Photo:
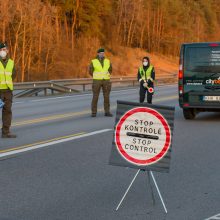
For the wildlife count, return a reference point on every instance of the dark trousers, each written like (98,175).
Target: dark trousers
(142,94)
(97,85)
(6,96)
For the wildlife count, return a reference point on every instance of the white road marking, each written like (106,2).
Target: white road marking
(215,217)
(13,152)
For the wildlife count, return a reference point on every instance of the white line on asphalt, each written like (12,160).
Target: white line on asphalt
(76,96)
(13,152)
(215,217)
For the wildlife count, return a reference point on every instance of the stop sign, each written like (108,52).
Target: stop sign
(142,136)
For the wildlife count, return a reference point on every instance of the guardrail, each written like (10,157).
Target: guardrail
(62,86)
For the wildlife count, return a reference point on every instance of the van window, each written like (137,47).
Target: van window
(202,59)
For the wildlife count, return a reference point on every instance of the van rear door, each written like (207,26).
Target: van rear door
(201,80)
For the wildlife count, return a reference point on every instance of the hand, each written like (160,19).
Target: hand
(145,85)
(1,103)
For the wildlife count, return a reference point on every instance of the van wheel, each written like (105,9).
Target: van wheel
(189,113)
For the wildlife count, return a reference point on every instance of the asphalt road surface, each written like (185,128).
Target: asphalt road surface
(57,168)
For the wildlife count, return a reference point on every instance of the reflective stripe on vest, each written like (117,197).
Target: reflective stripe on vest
(146,75)
(6,75)
(100,72)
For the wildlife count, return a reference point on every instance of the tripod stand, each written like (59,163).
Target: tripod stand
(150,174)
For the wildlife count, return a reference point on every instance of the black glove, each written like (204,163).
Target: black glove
(150,83)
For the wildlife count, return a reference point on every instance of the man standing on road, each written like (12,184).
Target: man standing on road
(100,69)
(146,77)
(7,75)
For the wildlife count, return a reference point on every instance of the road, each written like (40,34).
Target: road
(57,168)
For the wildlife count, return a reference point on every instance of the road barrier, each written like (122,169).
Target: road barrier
(63,86)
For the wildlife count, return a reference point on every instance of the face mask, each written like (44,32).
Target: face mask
(3,54)
(145,63)
(101,55)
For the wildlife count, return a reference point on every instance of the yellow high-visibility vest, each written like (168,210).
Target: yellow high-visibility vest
(100,72)
(6,75)
(146,75)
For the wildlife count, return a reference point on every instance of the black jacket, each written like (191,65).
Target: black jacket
(150,83)
(145,68)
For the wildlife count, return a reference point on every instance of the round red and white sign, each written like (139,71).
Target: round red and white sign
(142,136)
(150,90)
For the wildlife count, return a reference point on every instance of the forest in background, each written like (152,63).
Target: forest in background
(55,39)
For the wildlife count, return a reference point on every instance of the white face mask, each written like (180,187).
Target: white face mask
(145,63)
(3,54)
(101,55)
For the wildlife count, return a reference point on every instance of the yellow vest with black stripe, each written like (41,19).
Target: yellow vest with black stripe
(146,75)
(101,72)
(6,75)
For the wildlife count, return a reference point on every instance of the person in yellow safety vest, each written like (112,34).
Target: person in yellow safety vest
(7,75)
(146,77)
(100,69)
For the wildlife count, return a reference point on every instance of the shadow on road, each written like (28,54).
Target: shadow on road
(208,116)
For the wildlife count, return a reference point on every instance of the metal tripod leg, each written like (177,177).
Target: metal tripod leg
(151,188)
(127,190)
(158,191)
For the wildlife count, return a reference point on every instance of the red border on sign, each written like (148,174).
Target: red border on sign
(159,155)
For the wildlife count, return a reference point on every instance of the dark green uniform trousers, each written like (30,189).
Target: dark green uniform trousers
(6,97)
(106,88)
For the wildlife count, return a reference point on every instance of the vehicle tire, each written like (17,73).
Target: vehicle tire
(189,113)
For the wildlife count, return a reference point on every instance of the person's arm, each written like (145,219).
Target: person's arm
(152,78)
(14,73)
(139,78)
(110,69)
(153,74)
(91,69)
